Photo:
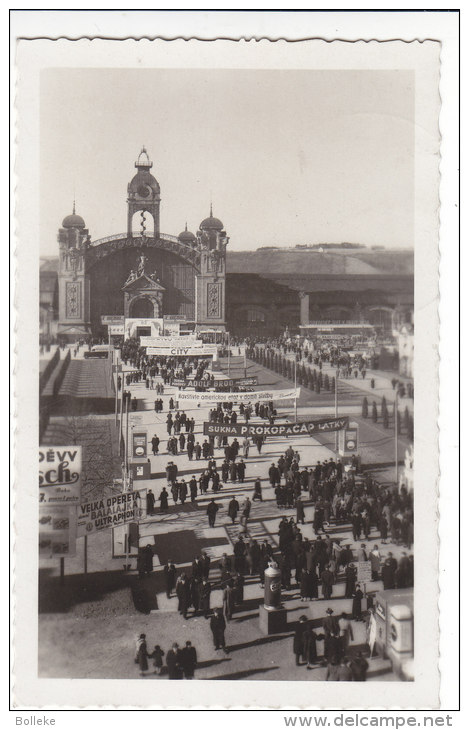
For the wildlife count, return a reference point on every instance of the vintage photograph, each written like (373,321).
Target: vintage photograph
(227,399)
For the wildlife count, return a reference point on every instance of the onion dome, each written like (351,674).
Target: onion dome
(186,236)
(211,223)
(73,220)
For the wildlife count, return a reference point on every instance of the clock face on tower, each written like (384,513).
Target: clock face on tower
(144,191)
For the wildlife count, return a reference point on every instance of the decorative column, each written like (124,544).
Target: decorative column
(304,308)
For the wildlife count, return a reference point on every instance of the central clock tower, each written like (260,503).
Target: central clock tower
(143,194)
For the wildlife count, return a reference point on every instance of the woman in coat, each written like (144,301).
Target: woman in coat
(350,580)
(357,604)
(142,654)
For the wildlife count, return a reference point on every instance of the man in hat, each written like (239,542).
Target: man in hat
(298,643)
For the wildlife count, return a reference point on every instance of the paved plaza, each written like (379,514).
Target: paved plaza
(88,603)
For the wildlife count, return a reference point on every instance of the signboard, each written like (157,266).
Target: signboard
(60,475)
(116,329)
(171,341)
(100,514)
(280,429)
(132,324)
(113,319)
(139,444)
(183,351)
(171,328)
(364,572)
(232,383)
(174,318)
(57,531)
(251,397)
(348,443)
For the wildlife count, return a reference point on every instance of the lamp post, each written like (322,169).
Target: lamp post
(296,400)
(336,408)
(396,456)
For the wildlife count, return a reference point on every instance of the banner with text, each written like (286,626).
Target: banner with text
(251,397)
(171,341)
(187,351)
(279,429)
(232,383)
(60,475)
(100,514)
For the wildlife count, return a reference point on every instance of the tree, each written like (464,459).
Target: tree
(318,385)
(385,418)
(326,382)
(374,413)
(383,406)
(332,388)
(315,376)
(320,378)
(365,408)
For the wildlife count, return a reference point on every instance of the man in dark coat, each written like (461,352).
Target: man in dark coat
(241,470)
(188,660)
(183,594)
(206,563)
(239,551)
(193,488)
(169,571)
(163,500)
(327,578)
(300,511)
(155,442)
(205,591)
(212,510)
(217,627)
(298,644)
(233,509)
(173,662)
(150,502)
(274,475)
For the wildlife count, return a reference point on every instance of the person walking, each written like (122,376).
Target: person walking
(150,502)
(233,509)
(163,498)
(245,515)
(345,632)
(205,591)
(300,511)
(169,571)
(155,443)
(212,510)
(157,656)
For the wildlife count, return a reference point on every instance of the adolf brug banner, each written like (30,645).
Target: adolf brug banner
(323,425)
(250,397)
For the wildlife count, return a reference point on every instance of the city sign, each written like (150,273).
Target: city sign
(183,351)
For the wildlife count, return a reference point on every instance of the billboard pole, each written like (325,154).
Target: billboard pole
(396,456)
(336,408)
(296,400)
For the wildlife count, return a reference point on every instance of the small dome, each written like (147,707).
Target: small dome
(186,236)
(143,159)
(73,221)
(211,223)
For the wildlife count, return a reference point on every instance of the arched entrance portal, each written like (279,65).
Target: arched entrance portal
(143,308)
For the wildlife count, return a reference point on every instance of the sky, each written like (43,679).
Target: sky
(286,157)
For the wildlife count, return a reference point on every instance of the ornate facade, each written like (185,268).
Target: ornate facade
(169,275)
